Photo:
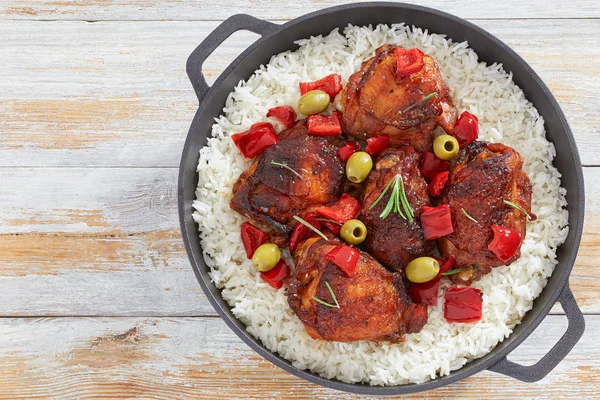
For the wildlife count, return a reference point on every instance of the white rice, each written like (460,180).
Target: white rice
(508,292)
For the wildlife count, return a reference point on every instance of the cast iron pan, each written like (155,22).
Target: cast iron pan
(278,38)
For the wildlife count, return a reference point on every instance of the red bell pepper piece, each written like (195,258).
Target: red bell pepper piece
(331,84)
(463,304)
(466,129)
(431,165)
(436,221)
(284,114)
(302,232)
(255,140)
(333,227)
(408,61)
(345,257)
(277,275)
(506,242)
(438,183)
(377,143)
(426,292)
(252,238)
(347,150)
(325,125)
(347,207)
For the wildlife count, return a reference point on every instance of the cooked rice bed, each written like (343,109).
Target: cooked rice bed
(508,292)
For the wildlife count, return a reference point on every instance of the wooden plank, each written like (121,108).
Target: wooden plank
(173,358)
(109,244)
(106,201)
(205,10)
(142,274)
(116,93)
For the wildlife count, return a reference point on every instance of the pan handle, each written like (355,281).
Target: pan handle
(556,354)
(231,25)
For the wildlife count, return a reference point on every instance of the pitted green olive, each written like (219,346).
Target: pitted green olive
(422,269)
(313,102)
(445,147)
(266,257)
(358,166)
(353,231)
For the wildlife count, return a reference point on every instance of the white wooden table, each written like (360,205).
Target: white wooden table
(97,298)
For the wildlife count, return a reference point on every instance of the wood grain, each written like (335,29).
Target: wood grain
(94,10)
(174,358)
(109,244)
(107,201)
(116,93)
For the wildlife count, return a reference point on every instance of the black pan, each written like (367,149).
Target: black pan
(278,38)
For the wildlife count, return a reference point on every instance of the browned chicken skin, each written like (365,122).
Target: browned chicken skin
(271,195)
(393,240)
(485,174)
(373,302)
(376,103)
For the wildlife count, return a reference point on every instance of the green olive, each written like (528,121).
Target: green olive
(313,102)
(422,269)
(358,166)
(266,257)
(445,147)
(353,231)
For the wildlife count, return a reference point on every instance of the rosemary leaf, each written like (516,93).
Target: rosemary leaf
(282,165)
(423,100)
(518,207)
(453,271)
(468,216)
(332,294)
(337,305)
(399,198)
(405,204)
(310,226)
(323,302)
(329,220)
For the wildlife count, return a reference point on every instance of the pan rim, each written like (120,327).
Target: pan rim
(471,367)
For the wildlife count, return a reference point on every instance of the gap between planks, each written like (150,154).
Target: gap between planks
(285,20)
(17,316)
(53,316)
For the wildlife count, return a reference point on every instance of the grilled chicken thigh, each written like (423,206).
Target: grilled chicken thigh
(375,102)
(484,175)
(395,241)
(373,303)
(271,194)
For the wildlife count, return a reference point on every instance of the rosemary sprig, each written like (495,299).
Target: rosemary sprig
(453,271)
(337,305)
(468,216)
(423,100)
(310,226)
(393,204)
(282,165)
(397,197)
(329,220)
(518,207)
